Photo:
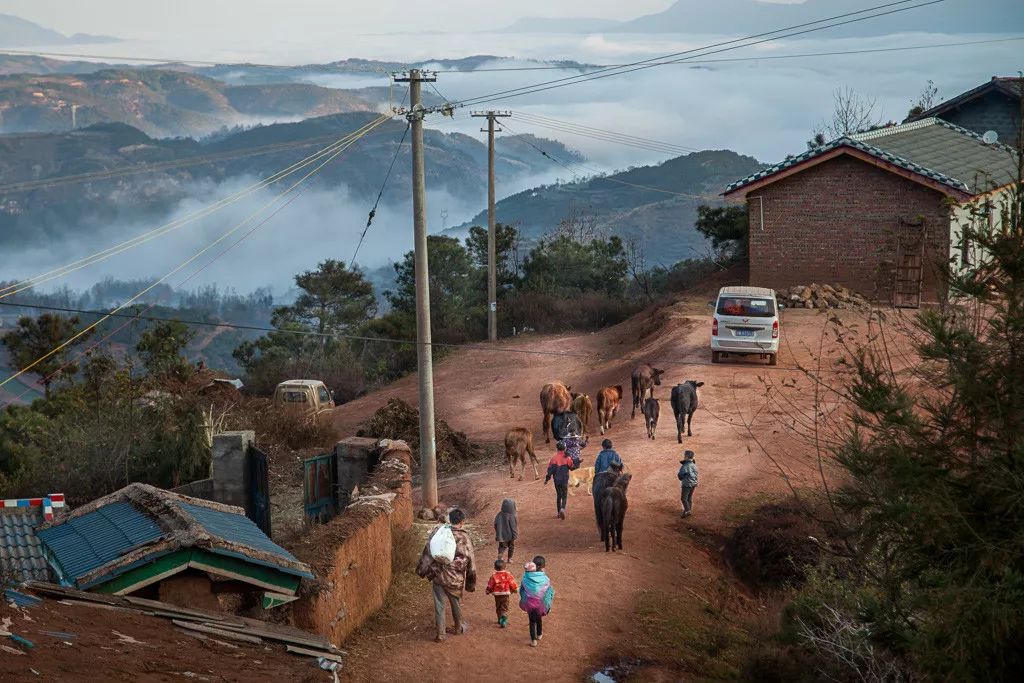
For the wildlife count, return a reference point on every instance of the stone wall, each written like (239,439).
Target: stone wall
(838,222)
(351,554)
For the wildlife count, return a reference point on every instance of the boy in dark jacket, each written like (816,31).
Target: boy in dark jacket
(501,585)
(558,469)
(506,528)
(688,481)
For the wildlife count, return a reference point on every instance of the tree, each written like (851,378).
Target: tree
(565,266)
(35,338)
(334,299)
(506,239)
(725,226)
(851,113)
(161,348)
(926,100)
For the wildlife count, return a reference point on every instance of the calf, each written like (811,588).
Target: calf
(608,400)
(645,377)
(684,403)
(519,444)
(584,408)
(613,512)
(651,410)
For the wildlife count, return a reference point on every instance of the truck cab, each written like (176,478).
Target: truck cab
(307,394)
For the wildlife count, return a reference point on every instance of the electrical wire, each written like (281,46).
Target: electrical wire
(181,266)
(373,211)
(585,128)
(832,53)
(176,224)
(724,46)
(665,148)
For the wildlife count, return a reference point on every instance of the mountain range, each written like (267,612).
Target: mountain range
(656,205)
(18,32)
(456,163)
(733,17)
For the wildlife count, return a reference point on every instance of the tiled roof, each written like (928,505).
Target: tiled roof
(21,554)
(932,148)
(1007,85)
(140,523)
(87,542)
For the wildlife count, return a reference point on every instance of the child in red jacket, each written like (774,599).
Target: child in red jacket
(501,585)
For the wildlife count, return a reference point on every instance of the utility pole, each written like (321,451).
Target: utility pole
(492,258)
(428,455)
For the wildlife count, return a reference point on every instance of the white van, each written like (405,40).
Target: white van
(745,322)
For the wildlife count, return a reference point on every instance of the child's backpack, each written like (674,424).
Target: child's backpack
(442,545)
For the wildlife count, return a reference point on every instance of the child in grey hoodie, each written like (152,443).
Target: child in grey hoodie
(506,528)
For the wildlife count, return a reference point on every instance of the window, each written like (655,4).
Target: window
(294,396)
(325,396)
(746,307)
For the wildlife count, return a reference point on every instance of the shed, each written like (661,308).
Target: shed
(22,556)
(140,537)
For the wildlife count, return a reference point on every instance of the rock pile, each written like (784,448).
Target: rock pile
(824,297)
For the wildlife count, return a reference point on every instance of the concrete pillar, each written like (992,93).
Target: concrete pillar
(230,473)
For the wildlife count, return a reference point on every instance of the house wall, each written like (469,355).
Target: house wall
(993,111)
(987,210)
(838,223)
(351,554)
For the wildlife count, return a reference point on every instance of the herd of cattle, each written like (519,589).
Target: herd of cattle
(558,401)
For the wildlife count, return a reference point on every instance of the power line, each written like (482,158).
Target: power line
(373,211)
(616,138)
(832,53)
(724,46)
(626,136)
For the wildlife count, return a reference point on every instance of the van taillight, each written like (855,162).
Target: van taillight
(775,330)
(714,327)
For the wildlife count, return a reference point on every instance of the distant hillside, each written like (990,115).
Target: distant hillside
(164,103)
(734,17)
(662,222)
(18,32)
(456,163)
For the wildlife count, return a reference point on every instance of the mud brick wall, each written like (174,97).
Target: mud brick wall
(837,223)
(351,554)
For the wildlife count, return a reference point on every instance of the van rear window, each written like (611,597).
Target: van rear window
(294,396)
(746,307)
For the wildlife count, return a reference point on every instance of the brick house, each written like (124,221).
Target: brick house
(878,212)
(994,106)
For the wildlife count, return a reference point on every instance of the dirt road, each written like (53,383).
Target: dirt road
(485,393)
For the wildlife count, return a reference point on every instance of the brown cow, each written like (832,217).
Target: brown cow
(584,409)
(645,378)
(554,398)
(519,443)
(608,400)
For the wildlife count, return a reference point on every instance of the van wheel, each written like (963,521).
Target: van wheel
(716,357)
(773,359)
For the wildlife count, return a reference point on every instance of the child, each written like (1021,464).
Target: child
(506,528)
(688,481)
(501,585)
(535,596)
(558,469)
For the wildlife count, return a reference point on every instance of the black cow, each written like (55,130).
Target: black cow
(652,411)
(684,403)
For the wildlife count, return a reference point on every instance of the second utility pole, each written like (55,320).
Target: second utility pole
(492,258)
(424,350)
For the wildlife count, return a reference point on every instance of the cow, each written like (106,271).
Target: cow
(684,403)
(613,512)
(554,398)
(645,378)
(652,410)
(608,400)
(519,443)
(584,408)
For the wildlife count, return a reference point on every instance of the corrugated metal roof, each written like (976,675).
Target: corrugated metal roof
(931,148)
(236,529)
(87,542)
(21,553)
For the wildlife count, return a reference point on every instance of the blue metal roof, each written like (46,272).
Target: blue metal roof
(21,554)
(235,528)
(89,541)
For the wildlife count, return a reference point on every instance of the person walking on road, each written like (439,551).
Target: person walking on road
(601,482)
(688,481)
(506,528)
(501,585)
(558,469)
(535,597)
(449,578)
(606,458)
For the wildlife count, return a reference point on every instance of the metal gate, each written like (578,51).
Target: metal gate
(319,487)
(258,509)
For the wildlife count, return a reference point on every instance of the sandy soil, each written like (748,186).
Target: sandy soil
(486,393)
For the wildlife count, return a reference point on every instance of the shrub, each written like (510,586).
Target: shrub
(773,548)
